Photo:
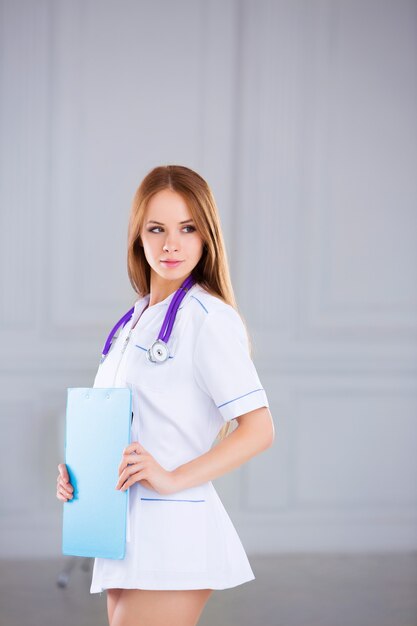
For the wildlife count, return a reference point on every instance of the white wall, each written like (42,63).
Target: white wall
(301,116)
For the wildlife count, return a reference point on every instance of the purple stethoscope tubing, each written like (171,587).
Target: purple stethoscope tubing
(123,320)
(169,319)
(167,324)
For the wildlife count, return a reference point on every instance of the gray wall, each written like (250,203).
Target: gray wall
(301,115)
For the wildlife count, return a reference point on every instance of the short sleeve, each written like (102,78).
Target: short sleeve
(223,367)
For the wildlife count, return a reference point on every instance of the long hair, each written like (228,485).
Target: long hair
(212,270)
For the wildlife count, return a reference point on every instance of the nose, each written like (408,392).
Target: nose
(171,243)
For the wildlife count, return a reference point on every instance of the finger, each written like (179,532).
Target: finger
(127,460)
(62,468)
(134,447)
(132,469)
(133,479)
(67,488)
(63,472)
(131,447)
(128,472)
(63,495)
(62,483)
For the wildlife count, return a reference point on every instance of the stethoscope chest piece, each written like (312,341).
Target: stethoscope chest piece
(158,352)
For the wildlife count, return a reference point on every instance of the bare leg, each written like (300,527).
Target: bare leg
(142,607)
(112,599)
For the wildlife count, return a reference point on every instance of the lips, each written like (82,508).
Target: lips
(171,262)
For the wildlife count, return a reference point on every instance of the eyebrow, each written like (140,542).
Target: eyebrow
(161,224)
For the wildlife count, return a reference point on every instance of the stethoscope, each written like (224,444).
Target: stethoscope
(158,352)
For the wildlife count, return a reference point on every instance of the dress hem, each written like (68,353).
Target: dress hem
(114,584)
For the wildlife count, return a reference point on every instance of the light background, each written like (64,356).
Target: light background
(301,115)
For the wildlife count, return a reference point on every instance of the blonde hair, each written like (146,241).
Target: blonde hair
(212,270)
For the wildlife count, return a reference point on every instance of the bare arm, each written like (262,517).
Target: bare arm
(254,434)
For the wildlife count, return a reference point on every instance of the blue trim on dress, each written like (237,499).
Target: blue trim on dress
(199,302)
(238,398)
(172,500)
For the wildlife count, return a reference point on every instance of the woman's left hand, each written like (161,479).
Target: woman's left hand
(143,468)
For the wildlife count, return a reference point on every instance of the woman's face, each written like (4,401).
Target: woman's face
(169,233)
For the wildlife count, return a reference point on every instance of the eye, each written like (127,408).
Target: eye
(151,230)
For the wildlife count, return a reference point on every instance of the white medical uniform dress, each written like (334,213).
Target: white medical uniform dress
(186,539)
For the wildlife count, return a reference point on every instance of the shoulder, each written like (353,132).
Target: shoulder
(212,311)
(210,304)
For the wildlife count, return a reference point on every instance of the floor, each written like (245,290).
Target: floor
(289,590)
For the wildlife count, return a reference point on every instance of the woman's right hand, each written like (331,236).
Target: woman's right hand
(64,489)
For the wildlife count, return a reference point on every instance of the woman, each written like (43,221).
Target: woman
(181,543)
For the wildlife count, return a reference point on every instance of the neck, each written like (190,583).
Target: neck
(160,291)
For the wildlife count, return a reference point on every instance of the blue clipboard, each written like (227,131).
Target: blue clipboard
(98,422)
